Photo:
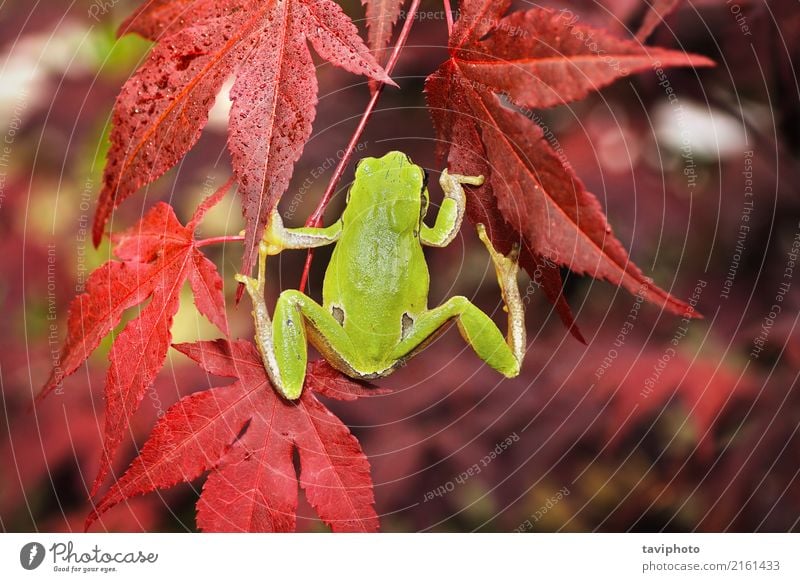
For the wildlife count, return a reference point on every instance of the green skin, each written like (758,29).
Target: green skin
(375,315)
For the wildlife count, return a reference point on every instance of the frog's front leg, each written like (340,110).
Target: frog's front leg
(277,237)
(503,354)
(451,214)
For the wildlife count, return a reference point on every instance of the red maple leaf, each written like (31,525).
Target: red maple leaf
(381,18)
(499,68)
(382,15)
(246,434)
(162,109)
(158,256)
(658,12)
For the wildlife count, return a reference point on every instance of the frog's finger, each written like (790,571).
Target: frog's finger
(469,180)
(279,238)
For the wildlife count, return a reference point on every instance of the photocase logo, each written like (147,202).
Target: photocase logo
(31,555)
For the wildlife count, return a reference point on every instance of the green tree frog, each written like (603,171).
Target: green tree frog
(374,314)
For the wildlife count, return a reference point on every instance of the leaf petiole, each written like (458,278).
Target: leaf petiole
(448,12)
(218,240)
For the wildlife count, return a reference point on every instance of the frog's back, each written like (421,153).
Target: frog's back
(377,280)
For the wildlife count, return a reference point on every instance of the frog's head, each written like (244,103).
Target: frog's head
(394,184)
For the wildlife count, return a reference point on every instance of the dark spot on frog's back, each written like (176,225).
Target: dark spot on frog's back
(338,314)
(408,325)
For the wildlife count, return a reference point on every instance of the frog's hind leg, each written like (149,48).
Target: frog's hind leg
(282,341)
(503,354)
(296,316)
(476,328)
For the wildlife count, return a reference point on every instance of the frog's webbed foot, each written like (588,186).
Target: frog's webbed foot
(506,266)
(255,287)
(271,244)
(263,322)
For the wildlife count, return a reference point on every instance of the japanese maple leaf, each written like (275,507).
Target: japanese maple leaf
(381,18)
(537,58)
(246,434)
(157,256)
(659,10)
(162,109)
